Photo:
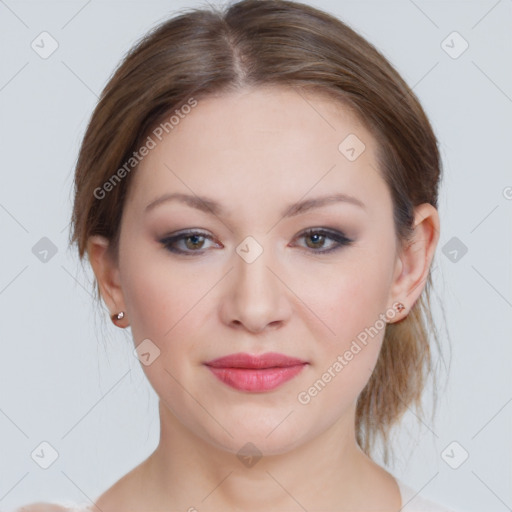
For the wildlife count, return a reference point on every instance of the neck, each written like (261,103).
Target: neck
(185,472)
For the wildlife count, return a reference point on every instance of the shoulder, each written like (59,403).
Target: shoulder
(413,501)
(46,507)
(421,504)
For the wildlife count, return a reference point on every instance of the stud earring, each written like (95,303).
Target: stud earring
(116,317)
(399,307)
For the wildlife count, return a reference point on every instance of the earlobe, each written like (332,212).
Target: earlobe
(416,257)
(107,273)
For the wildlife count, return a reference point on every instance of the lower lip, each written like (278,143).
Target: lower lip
(256,380)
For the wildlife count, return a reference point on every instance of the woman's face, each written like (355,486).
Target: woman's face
(255,171)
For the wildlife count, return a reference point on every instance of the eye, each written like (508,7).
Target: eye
(187,242)
(195,242)
(316,240)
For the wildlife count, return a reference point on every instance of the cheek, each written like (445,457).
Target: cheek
(163,307)
(149,290)
(149,298)
(348,297)
(165,301)
(352,302)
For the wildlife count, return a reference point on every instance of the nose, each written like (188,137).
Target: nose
(255,299)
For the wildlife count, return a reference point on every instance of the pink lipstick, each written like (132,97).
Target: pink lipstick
(255,373)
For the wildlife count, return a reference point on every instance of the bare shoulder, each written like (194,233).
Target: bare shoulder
(42,507)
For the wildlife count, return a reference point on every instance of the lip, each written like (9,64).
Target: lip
(255,373)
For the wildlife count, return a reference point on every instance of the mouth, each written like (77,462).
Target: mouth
(255,373)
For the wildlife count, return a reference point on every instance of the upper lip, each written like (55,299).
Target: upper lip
(244,360)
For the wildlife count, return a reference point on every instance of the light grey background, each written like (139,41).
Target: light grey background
(72,381)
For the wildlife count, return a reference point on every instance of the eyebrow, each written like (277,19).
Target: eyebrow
(210,206)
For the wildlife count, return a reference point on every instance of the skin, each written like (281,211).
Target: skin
(255,152)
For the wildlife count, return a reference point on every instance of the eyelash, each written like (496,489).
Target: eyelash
(339,238)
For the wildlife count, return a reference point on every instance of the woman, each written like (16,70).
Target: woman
(257,195)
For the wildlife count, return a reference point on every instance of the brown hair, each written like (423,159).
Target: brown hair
(274,42)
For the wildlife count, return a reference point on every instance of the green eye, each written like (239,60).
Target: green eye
(194,241)
(188,243)
(316,239)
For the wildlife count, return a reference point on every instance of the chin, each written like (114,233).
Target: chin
(257,445)
(273,435)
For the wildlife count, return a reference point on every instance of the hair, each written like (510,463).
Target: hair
(255,43)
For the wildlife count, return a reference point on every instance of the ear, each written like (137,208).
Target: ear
(107,274)
(413,263)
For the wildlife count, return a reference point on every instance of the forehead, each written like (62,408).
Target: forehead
(263,141)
